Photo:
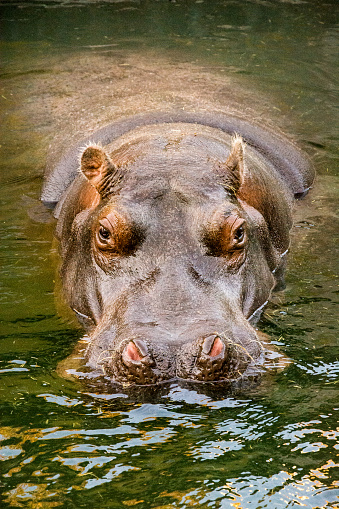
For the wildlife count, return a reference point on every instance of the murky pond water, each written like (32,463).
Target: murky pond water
(70,66)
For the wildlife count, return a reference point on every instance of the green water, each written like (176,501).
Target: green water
(72,66)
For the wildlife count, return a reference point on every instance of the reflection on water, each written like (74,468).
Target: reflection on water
(69,67)
(178,452)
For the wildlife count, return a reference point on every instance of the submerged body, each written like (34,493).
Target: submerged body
(172,238)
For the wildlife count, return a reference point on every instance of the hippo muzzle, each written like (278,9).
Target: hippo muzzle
(213,357)
(177,326)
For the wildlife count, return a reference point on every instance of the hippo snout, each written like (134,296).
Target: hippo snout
(141,361)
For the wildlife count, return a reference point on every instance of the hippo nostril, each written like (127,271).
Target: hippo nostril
(132,352)
(135,351)
(217,347)
(213,346)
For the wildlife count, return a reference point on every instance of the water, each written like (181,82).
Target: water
(70,66)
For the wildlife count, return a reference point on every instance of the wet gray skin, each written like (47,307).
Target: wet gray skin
(172,238)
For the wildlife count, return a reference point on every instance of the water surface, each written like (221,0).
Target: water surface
(70,66)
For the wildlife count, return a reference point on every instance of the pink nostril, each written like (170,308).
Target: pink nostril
(135,351)
(213,346)
(217,347)
(132,352)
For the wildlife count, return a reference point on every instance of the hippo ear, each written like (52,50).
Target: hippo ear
(233,168)
(99,170)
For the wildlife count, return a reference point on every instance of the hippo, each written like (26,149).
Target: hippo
(173,231)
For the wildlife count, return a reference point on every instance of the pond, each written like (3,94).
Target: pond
(70,66)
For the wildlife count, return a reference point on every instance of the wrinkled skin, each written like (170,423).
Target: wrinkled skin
(172,239)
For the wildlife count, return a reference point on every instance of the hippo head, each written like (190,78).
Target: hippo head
(170,242)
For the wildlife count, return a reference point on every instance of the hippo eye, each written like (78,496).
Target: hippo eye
(227,238)
(239,234)
(115,235)
(104,234)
